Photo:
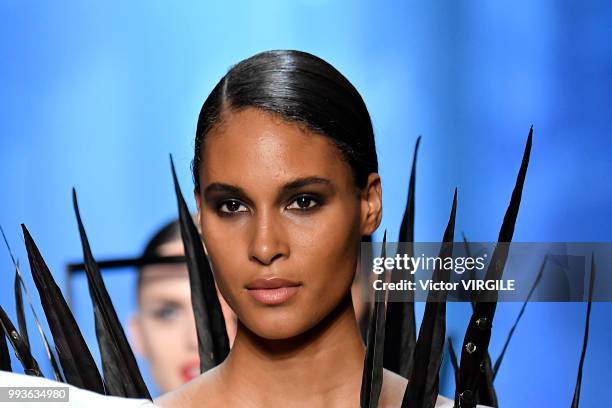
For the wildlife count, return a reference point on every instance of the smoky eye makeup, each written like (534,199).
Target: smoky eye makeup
(305,202)
(301,196)
(226,201)
(230,207)
(298,203)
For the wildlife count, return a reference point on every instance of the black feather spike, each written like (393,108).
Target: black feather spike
(77,363)
(57,372)
(453,360)
(364,319)
(585,341)
(21,348)
(121,373)
(21,320)
(372,379)
(486,394)
(400,328)
(422,389)
(5,357)
(213,342)
(478,332)
(518,319)
(468,253)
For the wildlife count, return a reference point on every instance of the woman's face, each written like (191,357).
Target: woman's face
(282,219)
(163,329)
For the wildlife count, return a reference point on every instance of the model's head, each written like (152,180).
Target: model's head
(163,327)
(286,181)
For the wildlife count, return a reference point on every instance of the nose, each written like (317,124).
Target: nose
(268,241)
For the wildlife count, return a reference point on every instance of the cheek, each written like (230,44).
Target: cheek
(160,341)
(229,280)
(227,247)
(326,252)
(328,243)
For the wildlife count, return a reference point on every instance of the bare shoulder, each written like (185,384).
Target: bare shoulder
(393,389)
(202,391)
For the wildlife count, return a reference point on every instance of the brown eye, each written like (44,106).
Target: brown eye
(303,203)
(232,206)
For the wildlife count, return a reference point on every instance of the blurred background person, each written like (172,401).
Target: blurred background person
(162,329)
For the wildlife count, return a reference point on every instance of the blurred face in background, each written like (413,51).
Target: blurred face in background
(163,328)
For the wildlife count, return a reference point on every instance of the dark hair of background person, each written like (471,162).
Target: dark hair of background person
(299,87)
(170,232)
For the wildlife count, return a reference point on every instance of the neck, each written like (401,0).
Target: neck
(325,363)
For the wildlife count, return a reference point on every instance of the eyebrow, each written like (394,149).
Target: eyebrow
(289,186)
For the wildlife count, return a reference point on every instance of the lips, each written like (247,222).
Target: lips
(190,370)
(273,291)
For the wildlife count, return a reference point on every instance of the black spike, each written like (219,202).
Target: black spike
(454,363)
(57,372)
(77,363)
(478,332)
(468,253)
(21,348)
(486,394)
(121,373)
(585,341)
(5,357)
(372,379)
(422,388)
(400,328)
(213,342)
(21,320)
(518,318)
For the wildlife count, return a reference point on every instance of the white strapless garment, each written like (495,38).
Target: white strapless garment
(78,398)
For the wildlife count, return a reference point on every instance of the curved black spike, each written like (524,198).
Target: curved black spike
(21,348)
(121,373)
(21,320)
(372,378)
(77,363)
(5,357)
(454,363)
(486,394)
(478,332)
(57,372)
(422,388)
(468,253)
(213,342)
(400,328)
(585,341)
(518,319)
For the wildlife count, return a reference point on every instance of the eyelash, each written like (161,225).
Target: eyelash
(317,203)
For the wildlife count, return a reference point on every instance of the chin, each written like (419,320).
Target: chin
(277,325)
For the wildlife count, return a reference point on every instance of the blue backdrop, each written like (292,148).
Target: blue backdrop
(97,94)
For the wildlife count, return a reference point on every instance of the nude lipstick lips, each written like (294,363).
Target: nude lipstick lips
(272,291)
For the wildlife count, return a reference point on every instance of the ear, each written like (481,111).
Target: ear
(371,204)
(198,199)
(135,334)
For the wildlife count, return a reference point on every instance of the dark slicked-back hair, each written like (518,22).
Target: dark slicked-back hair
(301,88)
